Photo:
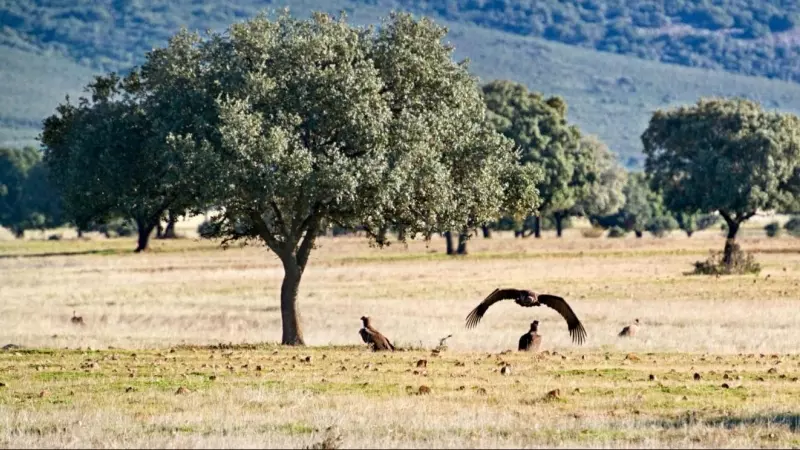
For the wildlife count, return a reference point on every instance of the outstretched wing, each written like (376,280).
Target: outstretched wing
(574,325)
(498,294)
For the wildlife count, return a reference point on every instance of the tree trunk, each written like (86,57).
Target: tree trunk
(80,233)
(487,232)
(290,318)
(169,232)
(689,233)
(159,230)
(537,226)
(638,233)
(143,229)
(19,232)
(733,229)
(448,236)
(559,224)
(462,244)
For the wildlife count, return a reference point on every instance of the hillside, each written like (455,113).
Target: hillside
(49,51)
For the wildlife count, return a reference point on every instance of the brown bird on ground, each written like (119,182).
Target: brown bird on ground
(528,298)
(373,337)
(77,320)
(631,329)
(531,340)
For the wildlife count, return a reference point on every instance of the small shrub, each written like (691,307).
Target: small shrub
(207,229)
(741,263)
(793,226)
(616,232)
(661,226)
(772,229)
(593,233)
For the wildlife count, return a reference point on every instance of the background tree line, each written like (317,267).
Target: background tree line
(288,127)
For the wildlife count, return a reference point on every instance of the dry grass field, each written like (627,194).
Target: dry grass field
(177,347)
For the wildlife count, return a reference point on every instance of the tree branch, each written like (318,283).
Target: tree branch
(307,244)
(279,217)
(265,233)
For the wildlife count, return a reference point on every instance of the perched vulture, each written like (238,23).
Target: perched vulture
(373,337)
(531,340)
(631,329)
(528,298)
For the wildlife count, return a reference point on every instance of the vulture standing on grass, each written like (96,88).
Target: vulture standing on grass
(373,337)
(530,341)
(528,298)
(630,330)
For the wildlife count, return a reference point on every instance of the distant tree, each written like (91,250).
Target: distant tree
(538,126)
(642,211)
(725,155)
(107,156)
(603,194)
(27,200)
(311,123)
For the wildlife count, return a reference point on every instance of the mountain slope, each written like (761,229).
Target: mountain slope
(608,95)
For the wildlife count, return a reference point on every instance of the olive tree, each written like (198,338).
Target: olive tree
(311,123)
(725,155)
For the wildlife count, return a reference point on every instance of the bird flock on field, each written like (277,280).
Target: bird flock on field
(530,341)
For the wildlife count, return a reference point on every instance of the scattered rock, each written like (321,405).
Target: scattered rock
(631,357)
(423,390)
(212,377)
(308,359)
(697,376)
(259,368)
(460,364)
(422,363)
(726,386)
(44,393)
(461,388)
(726,377)
(760,378)
(480,391)
(652,377)
(2,384)
(130,389)
(506,370)
(577,391)
(182,390)
(772,370)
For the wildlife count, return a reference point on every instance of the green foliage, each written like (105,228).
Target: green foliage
(661,225)
(735,262)
(108,155)
(342,125)
(792,226)
(643,210)
(734,35)
(27,198)
(726,155)
(773,229)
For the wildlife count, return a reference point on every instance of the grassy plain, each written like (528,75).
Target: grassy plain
(165,314)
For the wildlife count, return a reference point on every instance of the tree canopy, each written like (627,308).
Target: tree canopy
(107,156)
(315,122)
(573,169)
(726,155)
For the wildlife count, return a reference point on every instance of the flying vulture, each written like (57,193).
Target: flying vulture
(528,298)
(631,329)
(373,337)
(531,340)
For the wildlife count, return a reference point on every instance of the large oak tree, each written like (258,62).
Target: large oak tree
(725,155)
(315,122)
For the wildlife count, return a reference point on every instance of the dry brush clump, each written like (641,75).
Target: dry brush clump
(741,263)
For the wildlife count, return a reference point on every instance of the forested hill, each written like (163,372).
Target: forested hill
(49,49)
(754,37)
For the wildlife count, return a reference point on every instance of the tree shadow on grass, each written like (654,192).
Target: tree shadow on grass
(107,251)
(790,420)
